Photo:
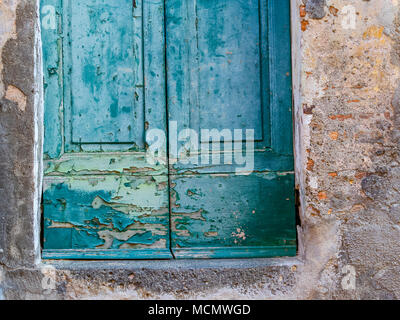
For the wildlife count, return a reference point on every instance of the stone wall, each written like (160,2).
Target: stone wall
(349,97)
(346,66)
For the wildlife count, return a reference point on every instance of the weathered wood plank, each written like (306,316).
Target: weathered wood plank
(102,199)
(229,68)
(51,18)
(235,252)
(105,73)
(106,212)
(102,164)
(218,67)
(226,210)
(119,254)
(280,66)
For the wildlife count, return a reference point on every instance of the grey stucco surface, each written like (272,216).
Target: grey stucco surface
(347,97)
(315,8)
(17,133)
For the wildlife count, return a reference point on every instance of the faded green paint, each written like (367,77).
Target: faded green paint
(103,90)
(228,68)
(52,56)
(106,73)
(106,212)
(102,163)
(213,212)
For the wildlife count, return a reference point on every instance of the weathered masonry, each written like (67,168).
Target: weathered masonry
(82,209)
(113,72)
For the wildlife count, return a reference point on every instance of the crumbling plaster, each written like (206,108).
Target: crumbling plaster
(347,133)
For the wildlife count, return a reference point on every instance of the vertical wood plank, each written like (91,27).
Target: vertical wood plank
(51,18)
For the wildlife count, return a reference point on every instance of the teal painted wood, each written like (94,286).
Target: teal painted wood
(51,18)
(280,66)
(235,253)
(120,254)
(104,80)
(106,73)
(212,62)
(101,199)
(217,67)
(270,162)
(148,76)
(233,211)
(229,67)
(106,212)
(229,72)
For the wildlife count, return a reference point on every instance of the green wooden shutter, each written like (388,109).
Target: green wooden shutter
(104,87)
(228,67)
